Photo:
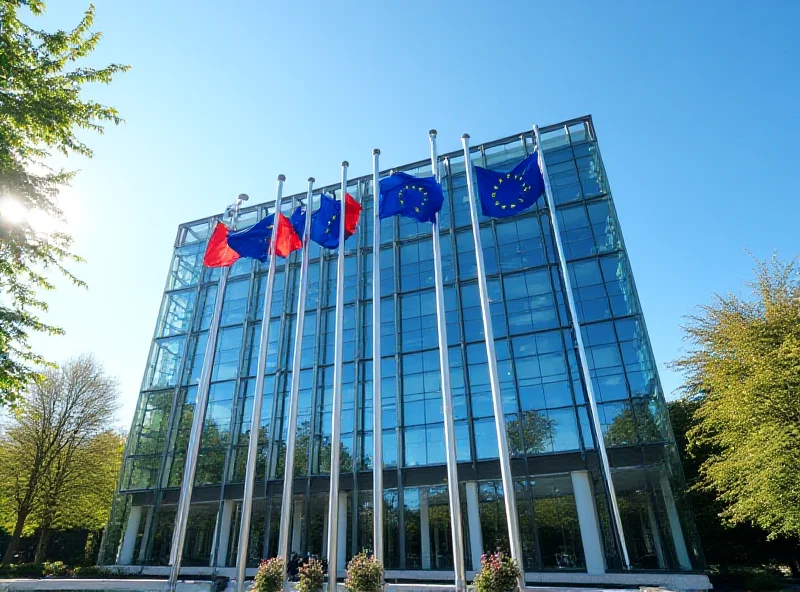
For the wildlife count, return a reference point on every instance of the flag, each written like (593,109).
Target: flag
(253,242)
(298,220)
(419,198)
(286,240)
(325,221)
(352,214)
(505,194)
(225,247)
(218,253)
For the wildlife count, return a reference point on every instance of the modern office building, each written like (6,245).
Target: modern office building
(564,509)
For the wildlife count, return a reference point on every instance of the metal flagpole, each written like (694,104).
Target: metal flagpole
(336,420)
(377,405)
(258,399)
(294,394)
(497,399)
(184,500)
(587,378)
(447,396)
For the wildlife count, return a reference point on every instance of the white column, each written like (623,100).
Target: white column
(651,518)
(675,524)
(224,532)
(148,524)
(589,524)
(129,540)
(324,538)
(474,522)
(297,524)
(341,544)
(425,528)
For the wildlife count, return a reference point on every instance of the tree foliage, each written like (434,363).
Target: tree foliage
(78,489)
(724,544)
(58,461)
(41,109)
(743,372)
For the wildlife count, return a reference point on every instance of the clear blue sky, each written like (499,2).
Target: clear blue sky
(695,104)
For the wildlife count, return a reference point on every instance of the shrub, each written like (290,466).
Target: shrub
(27,570)
(498,573)
(54,568)
(364,574)
(87,572)
(762,583)
(269,577)
(311,576)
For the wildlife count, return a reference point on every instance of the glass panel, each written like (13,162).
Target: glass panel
(176,313)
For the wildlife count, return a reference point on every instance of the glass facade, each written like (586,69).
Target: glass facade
(561,499)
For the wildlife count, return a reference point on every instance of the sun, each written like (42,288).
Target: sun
(12,211)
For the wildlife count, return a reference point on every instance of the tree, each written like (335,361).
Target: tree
(530,433)
(78,489)
(40,110)
(743,371)
(57,423)
(724,544)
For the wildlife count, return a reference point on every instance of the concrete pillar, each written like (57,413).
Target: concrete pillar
(325,536)
(651,518)
(224,532)
(129,539)
(148,524)
(588,522)
(675,524)
(425,528)
(297,525)
(342,532)
(474,523)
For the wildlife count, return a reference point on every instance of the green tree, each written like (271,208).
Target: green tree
(78,489)
(530,433)
(57,423)
(41,109)
(724,544)
(743,371)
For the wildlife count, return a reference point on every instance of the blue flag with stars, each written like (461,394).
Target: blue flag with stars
(298,220)
(324,222)
(419,198)
(504,194)
(253,242)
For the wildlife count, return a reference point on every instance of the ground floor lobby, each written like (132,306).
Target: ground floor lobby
(563,515)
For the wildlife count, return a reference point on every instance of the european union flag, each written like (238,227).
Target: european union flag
(505,194)
(253,242)
(419,198)
(298,220)
(325,223)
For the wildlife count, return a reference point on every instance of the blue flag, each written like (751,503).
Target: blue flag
(419,198)
(325,221)
(298,220)
(505,194)
(253,242)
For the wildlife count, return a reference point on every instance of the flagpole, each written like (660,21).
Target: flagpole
(336,419)
(447,396)
(377,404)
(185,497)
(294,393)
(509,496)
(258,400)
(587,378)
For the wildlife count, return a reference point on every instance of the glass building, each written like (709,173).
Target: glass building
(563,507)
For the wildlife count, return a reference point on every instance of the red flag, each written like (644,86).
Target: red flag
(352,213)
(218,253)
(286,240)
